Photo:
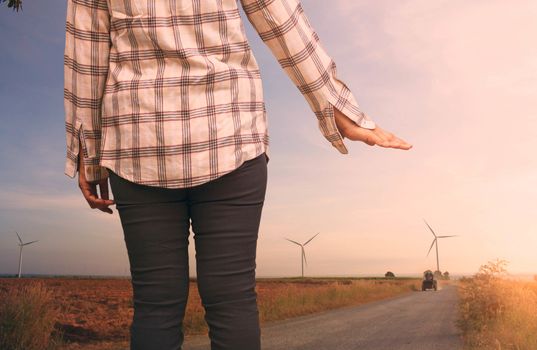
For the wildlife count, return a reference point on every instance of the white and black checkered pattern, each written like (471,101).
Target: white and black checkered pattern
(168,93)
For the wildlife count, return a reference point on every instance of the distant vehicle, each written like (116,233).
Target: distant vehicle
(428,281)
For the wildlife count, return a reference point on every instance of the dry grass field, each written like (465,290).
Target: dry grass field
(497,312)
(95,314)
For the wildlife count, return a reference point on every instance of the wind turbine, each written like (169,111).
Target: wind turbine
(303,255)
(21,244)
(435,242)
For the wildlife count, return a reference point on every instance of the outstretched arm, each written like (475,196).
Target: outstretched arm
(285,29)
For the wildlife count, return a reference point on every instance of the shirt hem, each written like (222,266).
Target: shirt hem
(180,183)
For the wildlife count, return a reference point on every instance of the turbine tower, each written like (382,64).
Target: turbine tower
(303,253)
(435,243)
(21,244)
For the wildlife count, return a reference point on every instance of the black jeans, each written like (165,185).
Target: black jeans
(225,214)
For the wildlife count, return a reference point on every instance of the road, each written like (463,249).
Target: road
(414,321)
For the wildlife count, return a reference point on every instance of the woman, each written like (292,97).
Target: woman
(164,98)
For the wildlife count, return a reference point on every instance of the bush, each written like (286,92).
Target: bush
(389,274)
(27,318)
(482,300)
(496,312)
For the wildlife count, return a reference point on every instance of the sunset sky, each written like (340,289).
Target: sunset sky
(457,79)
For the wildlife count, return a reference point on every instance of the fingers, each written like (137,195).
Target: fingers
(377,136)
(372,137)
(103,189)
(395,142)
(389,140)
(89,190)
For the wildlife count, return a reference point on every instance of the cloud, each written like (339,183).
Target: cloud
(31,199)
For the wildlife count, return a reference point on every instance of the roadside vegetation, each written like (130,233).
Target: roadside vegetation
(27,318)
(287,300)
(498,312)
(95,314)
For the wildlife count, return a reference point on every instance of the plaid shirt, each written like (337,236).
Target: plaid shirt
(169,94)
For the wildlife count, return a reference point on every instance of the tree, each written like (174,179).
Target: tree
(16,4)
(438,274)
(389,274)
(446,275)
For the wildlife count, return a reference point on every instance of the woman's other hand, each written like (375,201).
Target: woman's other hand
(89,190)
(372,137)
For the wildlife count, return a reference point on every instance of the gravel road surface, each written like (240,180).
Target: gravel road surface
(414,321)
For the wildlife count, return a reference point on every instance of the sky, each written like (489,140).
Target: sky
(457,79)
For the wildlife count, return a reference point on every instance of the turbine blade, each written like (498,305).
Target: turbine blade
(290,240)
(432,244)
(447,236)
(20,240)
(430,228)
(304,256)
(30,242)
(311,238)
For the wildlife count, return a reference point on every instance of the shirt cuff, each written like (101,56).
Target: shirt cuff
(93,170)
(327,121)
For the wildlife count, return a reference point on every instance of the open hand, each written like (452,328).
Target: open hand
(89,190)
(372,137)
